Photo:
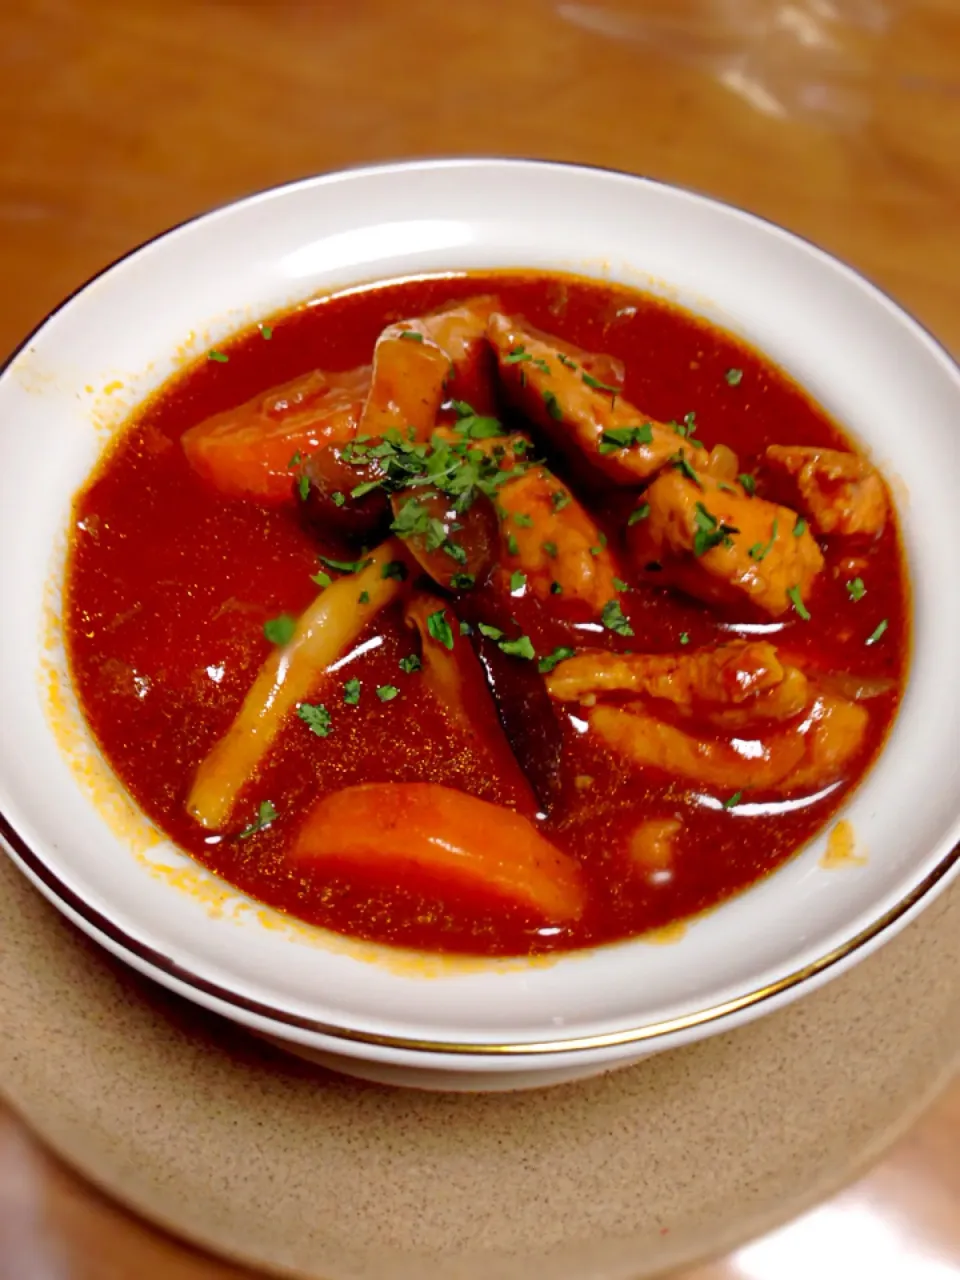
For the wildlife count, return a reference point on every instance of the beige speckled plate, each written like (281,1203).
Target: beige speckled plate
(266,1160)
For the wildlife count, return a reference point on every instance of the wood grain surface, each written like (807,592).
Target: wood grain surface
(840,120)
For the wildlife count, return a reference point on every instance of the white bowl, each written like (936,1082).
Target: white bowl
(491,1024)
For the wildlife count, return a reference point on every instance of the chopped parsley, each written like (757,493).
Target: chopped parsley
(734,377)
(338,499)
(303,487)
(684,637)
(513,547)
(466,629)
(613,619)
(710,532)
(560,499)
(363,597)
(638,514)
(387,692)
(566,361)
(748,481)
(295,460)
(394,569)
(361,490)
(351,692)
(800,527)
(518,580)
(439,628)
(280,630)
(551,549)
(855,589)
(556,589)
(799,608)
(218,357)
(541,364)
(410,664)
(491,632)
(462,581)
(266,332)
(679,460)
(615,438)
(560,654)
(552,405)
(621,585)
(316,718)
(732,801)
(596,385)
(878,632)
(524,520)
(411,335)
(321,579)
(522,647)
(759,551)
(266,814)
(516,355)
(344,566)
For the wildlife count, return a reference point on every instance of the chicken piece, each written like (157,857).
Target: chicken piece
(840,492)
(460,331)
(546,534)
(835,731)
(715,543)
(252,451)
(652,845)
(733,765)
(730,685)
(410,374)
(555,391)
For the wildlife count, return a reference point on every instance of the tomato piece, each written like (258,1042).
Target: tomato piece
(396,831)
(247,452)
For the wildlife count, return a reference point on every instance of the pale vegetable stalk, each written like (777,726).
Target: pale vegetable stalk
(332,623)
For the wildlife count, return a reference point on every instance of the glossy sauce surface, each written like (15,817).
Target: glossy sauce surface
(169,586)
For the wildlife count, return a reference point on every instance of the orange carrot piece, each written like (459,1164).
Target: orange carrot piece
(392,829)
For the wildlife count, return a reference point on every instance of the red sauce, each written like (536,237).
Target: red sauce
(169,586)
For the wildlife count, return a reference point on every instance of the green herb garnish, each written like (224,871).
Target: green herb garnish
(303,487)
(518,580)
(613,619)
(748,481)
(684,637)
(638,514)
(321,579)
(266,814)
(387,692)
(462,581)
(732,801)
(411,335)
(218,357)
(615,438)
(710,532)
(410,664)
(551,549)
(621,585)
(517,354)
(280,630)
(439,628)
(878,632)
(351,692)
(345,566)
(799,527)
(559,499)
(522,647)
(560,654)
(316,718)
(734,377)
(597,385)
(855,589)
(363,597)
(552,405)
(759,551)
(799,607)
(266,332)
(524,520)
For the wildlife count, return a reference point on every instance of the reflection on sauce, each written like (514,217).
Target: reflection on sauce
(840,848)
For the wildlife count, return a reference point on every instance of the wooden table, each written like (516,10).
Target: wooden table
(121,118)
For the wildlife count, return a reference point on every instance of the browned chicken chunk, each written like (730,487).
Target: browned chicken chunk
(840,492)
(730,685)
(547,535)
(589,418)
(712,541)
